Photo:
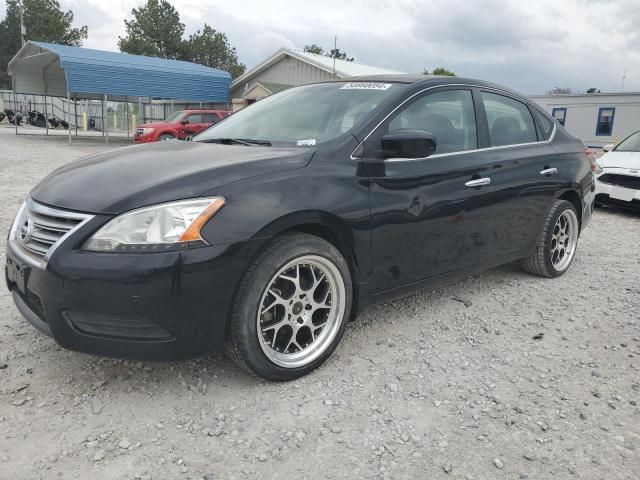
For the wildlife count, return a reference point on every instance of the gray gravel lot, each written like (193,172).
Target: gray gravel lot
(500,375)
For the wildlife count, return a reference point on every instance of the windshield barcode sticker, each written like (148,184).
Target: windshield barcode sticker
(365,86)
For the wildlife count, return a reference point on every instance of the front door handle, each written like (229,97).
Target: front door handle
(549,171)
(478,182)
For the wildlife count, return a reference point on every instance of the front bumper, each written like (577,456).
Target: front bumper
(622,195)
(145,138)
(156,306)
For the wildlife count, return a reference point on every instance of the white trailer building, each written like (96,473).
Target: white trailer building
(596,118)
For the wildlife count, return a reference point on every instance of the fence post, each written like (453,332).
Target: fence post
(106,126)
(64,111)
(15,110)
(75,113)
(102,127)
(46,116)
(128,119)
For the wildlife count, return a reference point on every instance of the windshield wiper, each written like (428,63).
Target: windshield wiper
(241,141)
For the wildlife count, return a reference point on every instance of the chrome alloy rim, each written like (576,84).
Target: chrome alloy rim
(301,311)
(564,239)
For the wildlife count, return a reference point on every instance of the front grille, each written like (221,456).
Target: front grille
(139,131)
(626,181)
(39,229)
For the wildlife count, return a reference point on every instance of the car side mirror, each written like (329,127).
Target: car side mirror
(409,144)
(608,147)
(184,122)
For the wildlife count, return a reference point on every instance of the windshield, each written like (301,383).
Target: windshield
(175,116)
(630,144)
(303,116)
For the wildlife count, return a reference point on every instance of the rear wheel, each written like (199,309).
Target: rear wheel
(291,308)
(557,242)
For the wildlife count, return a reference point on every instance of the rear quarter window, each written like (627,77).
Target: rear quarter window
(545,124)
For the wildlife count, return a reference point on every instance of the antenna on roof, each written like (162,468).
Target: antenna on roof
(624,76)
(335,52)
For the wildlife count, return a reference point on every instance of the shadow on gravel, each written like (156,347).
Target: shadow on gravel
(439,296)
(620,211)
(87,372)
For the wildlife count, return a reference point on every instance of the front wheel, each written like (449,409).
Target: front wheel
(291,308)
(166,136)
(557,243)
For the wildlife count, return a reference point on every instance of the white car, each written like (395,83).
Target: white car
(618,182)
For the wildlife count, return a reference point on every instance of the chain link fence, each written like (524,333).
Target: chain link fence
(61,116)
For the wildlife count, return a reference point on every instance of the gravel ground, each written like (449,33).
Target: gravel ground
(500,375)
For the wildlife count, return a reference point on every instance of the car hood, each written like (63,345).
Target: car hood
(141,175)
(620,160)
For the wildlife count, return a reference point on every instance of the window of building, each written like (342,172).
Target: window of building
(448,115)
(605,121)
(560,114)
(510,121)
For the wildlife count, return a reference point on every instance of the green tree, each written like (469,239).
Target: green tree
(44,21)
(440,71)
(333,53)
(313,48)
(560,91)
(155,30)
(211,48)
(336,53)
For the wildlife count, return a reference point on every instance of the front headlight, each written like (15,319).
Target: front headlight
(147,130)
(161,227)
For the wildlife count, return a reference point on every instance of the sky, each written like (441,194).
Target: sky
(531,46)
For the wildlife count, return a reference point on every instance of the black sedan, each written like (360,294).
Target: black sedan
(270,230)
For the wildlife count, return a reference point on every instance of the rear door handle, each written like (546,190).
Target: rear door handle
(549,171)
(478,182)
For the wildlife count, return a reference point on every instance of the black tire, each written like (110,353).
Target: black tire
(166,136)
(242,344)
(540,263)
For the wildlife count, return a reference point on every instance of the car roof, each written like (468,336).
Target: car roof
(434,80)
(204,110)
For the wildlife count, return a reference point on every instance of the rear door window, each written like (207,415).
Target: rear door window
(194,118)
(510,121)
(211,118)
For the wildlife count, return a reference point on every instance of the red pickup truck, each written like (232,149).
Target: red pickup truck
(179,125)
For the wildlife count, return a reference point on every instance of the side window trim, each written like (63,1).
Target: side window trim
(356,154)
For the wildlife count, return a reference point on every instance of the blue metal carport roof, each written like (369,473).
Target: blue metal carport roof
(94,73)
